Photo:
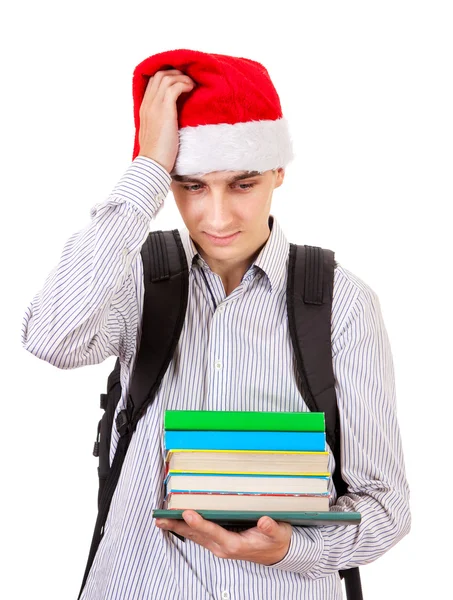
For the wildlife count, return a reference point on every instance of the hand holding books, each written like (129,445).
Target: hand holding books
(266,544)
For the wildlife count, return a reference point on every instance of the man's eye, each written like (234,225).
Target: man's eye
(243,186)
(189,187)
(248,185)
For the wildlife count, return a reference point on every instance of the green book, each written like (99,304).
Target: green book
(231,420)
(237,518)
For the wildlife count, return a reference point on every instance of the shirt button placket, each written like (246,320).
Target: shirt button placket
(218,363)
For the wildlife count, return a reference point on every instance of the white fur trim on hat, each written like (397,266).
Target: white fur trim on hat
(249,146)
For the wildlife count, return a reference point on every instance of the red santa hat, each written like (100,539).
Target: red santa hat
(231,120)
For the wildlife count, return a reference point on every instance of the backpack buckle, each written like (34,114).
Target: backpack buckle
(97,443)
(124,417)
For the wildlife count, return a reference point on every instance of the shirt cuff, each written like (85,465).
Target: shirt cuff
(145,184)
(305,550)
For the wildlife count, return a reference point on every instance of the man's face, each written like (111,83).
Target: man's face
(222,203)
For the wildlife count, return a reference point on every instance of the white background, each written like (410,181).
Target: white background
(367,90)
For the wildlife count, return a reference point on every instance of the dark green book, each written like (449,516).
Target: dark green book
(229,420)
(246,518)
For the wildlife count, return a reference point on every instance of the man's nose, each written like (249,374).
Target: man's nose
(218,211)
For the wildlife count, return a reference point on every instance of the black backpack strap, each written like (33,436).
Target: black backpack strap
(109,402)
(166,282)
(309,305)
(164,312)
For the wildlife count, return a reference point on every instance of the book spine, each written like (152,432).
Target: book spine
(247,473)
(304,495)
(243,421)
(247,476)
(259,453)
(250,440)
(232,493)
(186,482)
(312,502)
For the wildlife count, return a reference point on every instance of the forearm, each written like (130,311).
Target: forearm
(87,300)
(372,456)
(318,551)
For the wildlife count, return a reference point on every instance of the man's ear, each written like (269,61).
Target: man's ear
(280,177)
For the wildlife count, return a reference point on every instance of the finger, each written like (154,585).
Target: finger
(178,80)
(179,525)
(152,87)
(202,531)
(182,528)
(209,529)
(175,525)
(192,534)
(268,526)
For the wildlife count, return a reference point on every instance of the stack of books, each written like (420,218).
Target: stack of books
(243,460)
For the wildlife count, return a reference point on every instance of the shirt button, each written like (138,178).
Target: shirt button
(225,595)
(221,308)
(218,364)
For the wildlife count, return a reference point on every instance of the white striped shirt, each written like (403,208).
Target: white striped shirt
(234,353)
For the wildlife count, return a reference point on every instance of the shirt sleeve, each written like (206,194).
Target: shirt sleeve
(372,456)
(88,308)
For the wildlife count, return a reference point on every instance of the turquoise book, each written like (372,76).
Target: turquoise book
(249,518)
(246,440)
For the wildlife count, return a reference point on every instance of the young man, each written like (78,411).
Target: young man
(234,353)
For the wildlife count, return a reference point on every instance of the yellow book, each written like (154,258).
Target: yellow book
(248,461)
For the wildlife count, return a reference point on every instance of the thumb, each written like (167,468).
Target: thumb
(267,525)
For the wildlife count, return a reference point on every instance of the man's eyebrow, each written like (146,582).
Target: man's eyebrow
(189,179)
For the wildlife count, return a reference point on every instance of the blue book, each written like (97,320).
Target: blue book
(246,440)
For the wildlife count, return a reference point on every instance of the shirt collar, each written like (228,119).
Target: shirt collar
(272,259)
